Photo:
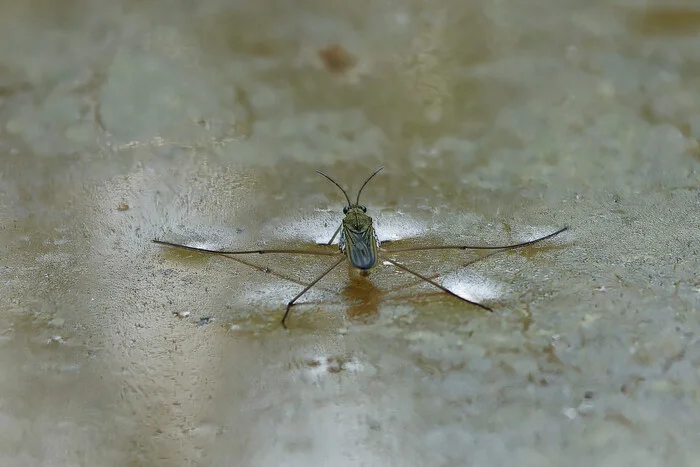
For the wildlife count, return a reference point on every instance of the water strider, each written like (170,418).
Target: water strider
(359,244)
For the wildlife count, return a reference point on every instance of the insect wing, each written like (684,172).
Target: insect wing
(361,247)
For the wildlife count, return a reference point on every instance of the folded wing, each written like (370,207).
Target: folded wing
(361,247)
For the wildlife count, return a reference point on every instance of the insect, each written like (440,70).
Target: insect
(359,244)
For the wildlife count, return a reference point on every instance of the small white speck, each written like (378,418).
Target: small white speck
(56,322)
(402,18)
(353,366)
(605,89)
(585,408)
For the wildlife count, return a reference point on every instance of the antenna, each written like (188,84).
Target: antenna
(366,181)
(336,184)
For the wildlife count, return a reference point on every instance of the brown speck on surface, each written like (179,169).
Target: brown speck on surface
(667,21)
(694,148)
(123,207)
(336,59)
(616,416)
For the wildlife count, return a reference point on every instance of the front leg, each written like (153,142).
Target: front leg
(330,242)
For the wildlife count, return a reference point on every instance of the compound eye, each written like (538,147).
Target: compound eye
(364,208)
(345,210)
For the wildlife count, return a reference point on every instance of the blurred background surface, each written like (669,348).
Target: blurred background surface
(203,123)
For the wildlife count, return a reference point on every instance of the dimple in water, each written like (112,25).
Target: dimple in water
(359,244)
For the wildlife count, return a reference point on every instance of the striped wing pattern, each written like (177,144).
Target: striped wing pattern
(361,247)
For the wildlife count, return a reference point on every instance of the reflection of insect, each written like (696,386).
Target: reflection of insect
(359,243)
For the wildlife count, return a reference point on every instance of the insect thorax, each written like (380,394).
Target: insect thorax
(341,239)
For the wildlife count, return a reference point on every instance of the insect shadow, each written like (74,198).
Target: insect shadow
(359,244)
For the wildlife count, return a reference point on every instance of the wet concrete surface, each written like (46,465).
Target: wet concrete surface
(497,122)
